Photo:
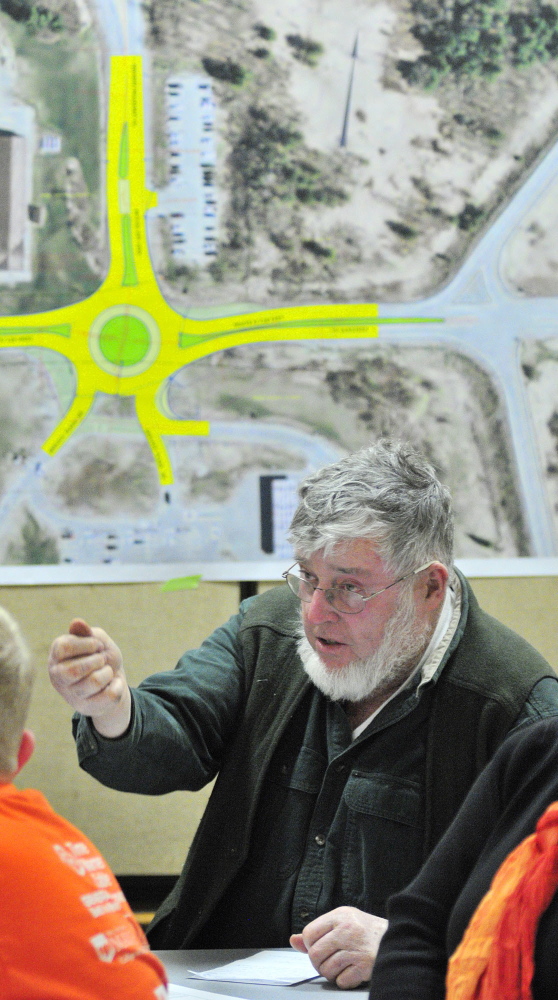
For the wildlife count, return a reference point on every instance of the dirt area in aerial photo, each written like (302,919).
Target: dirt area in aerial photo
(362,147)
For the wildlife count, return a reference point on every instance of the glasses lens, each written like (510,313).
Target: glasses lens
(345,601)
(301,588)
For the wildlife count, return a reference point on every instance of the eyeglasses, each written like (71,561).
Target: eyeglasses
(343,598)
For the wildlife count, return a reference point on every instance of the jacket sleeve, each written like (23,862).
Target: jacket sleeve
(542,702)
(181,722)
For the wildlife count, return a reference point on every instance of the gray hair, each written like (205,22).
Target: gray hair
(388,493)
(16,681)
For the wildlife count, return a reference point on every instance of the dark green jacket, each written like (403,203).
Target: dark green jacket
(227,706)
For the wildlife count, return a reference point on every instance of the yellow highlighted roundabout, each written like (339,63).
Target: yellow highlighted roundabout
(134,341)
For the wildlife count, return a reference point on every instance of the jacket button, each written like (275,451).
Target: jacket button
(304,914)
(320,839)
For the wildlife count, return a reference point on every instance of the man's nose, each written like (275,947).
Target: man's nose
(318,609)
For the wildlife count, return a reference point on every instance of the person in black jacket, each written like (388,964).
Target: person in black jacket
(428,919)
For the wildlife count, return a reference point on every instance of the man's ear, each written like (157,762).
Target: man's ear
(436,578)
(26,747)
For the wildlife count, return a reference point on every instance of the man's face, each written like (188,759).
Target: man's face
(340,639)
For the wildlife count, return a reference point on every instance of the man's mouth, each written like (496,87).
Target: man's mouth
(327,642)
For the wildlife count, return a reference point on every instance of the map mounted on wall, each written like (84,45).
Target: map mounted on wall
(238,242)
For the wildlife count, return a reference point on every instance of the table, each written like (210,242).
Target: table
(177,964)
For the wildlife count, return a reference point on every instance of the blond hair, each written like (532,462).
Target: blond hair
(16,681)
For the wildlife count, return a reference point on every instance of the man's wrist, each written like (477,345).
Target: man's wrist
(111,725)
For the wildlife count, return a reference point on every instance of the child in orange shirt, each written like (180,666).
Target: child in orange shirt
(66,931)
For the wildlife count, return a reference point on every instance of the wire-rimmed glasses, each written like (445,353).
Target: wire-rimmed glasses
(344,597)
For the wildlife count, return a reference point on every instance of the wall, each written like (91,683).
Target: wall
(137,834)
(150,835)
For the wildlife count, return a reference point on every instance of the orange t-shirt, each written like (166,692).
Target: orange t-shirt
(66,930)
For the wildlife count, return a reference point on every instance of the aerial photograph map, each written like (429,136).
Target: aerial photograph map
(241,238)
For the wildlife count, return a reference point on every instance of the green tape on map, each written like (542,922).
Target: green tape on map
(182,583)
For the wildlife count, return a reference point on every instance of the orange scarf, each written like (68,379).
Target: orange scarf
(496,956)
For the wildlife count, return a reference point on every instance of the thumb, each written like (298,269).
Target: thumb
(296,941)
(80,627)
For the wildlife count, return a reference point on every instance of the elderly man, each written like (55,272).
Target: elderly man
(346,715)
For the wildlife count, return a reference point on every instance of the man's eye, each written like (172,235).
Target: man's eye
(350,588)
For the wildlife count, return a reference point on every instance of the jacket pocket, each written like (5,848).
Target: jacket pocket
(382,843)
(384,796)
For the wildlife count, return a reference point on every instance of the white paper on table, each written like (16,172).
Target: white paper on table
(267,968)
(176,992)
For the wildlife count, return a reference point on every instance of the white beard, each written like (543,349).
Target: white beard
(384,670)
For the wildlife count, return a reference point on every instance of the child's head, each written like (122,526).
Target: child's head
(16,681)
